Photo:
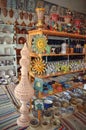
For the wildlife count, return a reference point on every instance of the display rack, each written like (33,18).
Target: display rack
(7,51)
(68,54)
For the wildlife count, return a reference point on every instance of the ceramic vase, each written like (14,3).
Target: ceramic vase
(67,19)
(40,15)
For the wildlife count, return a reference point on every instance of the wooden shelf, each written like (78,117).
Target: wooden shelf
(56,33)
(55,74)
(53,54)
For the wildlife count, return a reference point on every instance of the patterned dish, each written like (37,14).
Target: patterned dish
(39,43)
(38,66)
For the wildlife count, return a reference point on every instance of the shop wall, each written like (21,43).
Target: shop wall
(77,5)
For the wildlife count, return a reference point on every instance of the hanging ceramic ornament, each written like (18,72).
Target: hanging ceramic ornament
(38,66)
(39,43)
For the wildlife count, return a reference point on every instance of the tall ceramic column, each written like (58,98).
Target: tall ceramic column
(24,91)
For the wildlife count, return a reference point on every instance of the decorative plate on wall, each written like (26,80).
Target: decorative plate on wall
(47,7)
(39,43)
(38,66)
(30,5)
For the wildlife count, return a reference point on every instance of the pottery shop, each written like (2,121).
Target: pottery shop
(42,65)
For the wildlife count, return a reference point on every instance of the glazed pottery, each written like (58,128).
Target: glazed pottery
(34,123)
(67,19)
(63,48)
(77,22)
(40,15)
(45,124)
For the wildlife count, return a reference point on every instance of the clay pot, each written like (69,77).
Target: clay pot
(30,16)
(4,11)
(26,15)
(17,30)
(11,13)
(21,40)
(21,15)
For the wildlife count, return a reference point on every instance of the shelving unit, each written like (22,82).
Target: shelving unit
(21,34)
(61,35)
(7,51)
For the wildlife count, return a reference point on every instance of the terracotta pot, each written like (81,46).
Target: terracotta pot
(11,13)
(21,15)
(17,30)
(26,15)
(30,16)
(21,40)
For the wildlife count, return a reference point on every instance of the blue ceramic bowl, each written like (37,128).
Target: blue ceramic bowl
(48,103)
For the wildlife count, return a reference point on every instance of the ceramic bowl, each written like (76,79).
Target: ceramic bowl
(45,124)
(48,103)
(34,123)
(47,114)
(57,115)
(56,123)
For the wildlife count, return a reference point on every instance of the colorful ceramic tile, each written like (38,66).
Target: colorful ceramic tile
(53,8)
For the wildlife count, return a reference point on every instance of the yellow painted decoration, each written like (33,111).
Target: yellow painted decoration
(38,66)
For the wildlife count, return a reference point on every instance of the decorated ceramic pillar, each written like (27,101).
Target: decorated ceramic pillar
(24,91)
